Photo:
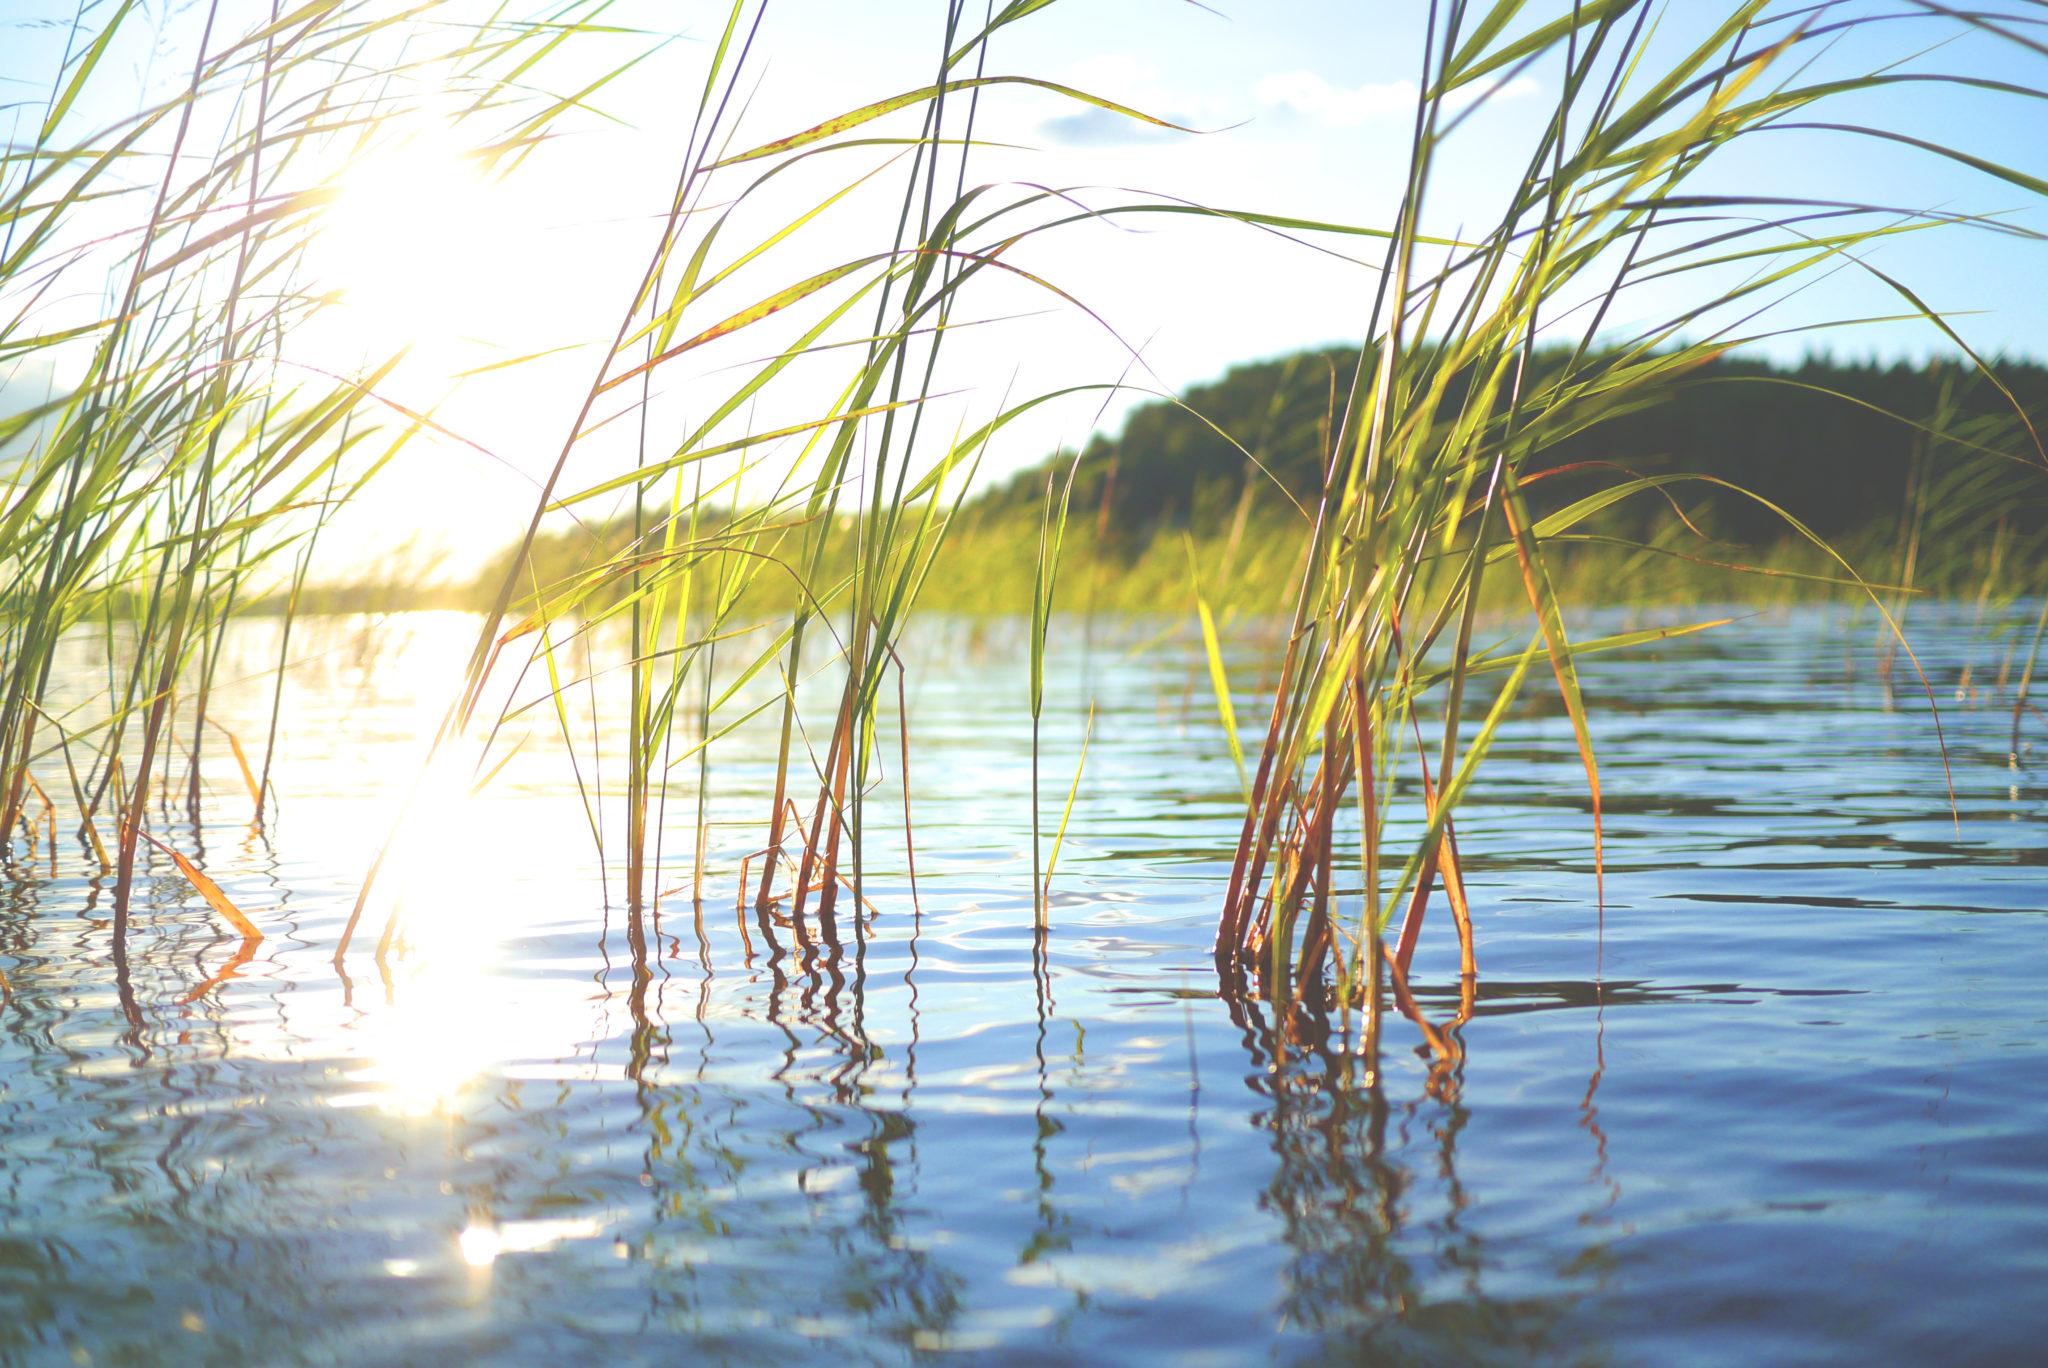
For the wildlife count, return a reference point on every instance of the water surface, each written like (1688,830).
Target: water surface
(1784,1100)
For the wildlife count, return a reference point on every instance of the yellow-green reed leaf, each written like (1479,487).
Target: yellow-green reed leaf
(664,323)
(556,695)
(1066,813)
(1948,435)
(768,655)
(749,715)
(1738,567)
(803,346)
(1040,610)
(1451,789)
(1543,599)
(304,16)
(1219,676)
(1984,368)
(1794,97)
(687,649)
(1575,513)
(511,361)
(866,113)
(1683,78)
(645,473)
(982,434)
(1256,219)
(914,585)
(580,98)
(1489,27)
(1998,170)
(41,342)
(1049,577)
(690,289)
(1330,683)
(90,59)
(1686,260)
(333,410)
(1468,65)
(1009,14)
(245,523)
(303,202)
(1486,662)
(483,781)
(753,313)
(75,191)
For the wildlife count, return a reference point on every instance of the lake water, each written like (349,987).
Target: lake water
(1791,1104)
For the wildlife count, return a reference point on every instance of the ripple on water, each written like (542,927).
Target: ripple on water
(1779,1099)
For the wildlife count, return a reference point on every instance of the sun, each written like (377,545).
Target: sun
(410,249)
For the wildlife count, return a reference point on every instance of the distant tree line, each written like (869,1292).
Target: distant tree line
(1926,466)
(1845,447)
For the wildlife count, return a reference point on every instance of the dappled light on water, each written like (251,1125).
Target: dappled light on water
(441,990)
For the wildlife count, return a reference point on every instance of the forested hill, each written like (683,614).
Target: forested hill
(1816,439)
(1947,494)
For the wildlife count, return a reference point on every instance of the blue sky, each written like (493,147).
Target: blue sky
(1307,104)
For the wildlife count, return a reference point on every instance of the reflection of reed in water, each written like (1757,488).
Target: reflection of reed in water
(695,1186)
(1053,1233)
(1361,1271)
(891,1279)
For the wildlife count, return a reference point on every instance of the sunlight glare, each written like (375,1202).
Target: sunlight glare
(413,244)
(479,1245)
(471,903)
(450,1014)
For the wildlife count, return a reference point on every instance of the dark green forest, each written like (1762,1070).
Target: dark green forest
(1842,446)
(1930,475)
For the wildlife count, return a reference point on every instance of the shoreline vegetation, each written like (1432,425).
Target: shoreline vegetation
(1918,475)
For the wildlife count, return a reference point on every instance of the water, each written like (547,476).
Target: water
(1789,1105)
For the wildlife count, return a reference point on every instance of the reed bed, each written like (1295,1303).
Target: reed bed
(183,454)
(1385,701)
(858,498)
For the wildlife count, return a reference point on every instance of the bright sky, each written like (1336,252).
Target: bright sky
(1309,102)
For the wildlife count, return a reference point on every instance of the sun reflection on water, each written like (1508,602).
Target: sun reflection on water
(453,1009)
(482,1242)
(453,1016)
(479,1245)
(488,893)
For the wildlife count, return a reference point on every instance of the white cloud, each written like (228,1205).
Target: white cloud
(1309,95)
(1131,82)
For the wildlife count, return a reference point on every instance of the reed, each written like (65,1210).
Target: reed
(154,269)
(838,532)
(1424,496)
(1052,530)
